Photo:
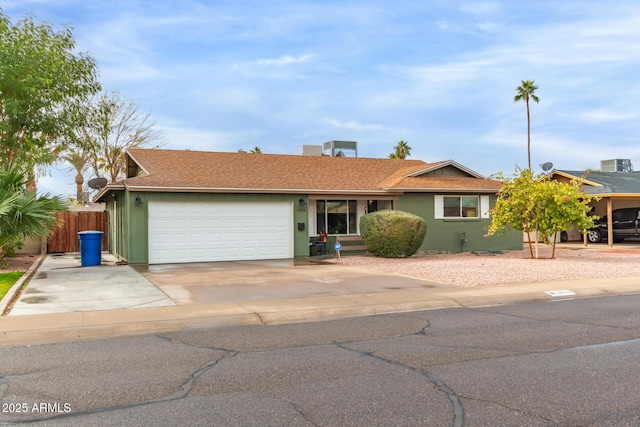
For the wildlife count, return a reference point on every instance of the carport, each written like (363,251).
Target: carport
(616,190)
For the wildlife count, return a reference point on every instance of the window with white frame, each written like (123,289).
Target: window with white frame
(336,217)
(456,206)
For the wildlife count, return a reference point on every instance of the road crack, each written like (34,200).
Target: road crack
(572,322)
(454,399)
(510,408)
(182,392)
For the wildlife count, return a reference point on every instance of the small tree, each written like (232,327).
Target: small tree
(561,205)
(540,204)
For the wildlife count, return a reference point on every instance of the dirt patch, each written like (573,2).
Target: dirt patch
(19,262)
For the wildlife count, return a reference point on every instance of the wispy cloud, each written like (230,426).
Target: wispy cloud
(602,115)
(354,125)
(283,61)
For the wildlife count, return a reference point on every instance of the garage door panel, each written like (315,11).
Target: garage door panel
(219,231)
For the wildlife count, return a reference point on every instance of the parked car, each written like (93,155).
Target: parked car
(626,223)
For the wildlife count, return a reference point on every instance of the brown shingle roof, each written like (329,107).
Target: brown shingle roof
(245,171)
(185,170)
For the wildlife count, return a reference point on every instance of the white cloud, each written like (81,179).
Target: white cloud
(354,125)
(180,136)
(602,115)
(283,61)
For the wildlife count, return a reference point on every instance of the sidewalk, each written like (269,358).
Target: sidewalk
(87,325)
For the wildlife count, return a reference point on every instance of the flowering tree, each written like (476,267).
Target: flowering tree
(542,205)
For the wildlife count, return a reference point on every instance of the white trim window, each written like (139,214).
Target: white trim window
(341,214)
(460,207)
(336,216)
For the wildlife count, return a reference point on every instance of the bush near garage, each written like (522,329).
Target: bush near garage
(392,234)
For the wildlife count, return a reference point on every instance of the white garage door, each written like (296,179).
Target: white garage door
(219,231)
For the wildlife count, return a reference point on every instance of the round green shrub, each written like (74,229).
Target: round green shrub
(392,234)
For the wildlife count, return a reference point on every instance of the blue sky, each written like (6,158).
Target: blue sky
(440,74)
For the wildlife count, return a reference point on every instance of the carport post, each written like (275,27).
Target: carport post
(609,222)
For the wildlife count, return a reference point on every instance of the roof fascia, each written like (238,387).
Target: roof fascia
(106,190)
(618,195)
(156,189)
(448,189)
(570,176)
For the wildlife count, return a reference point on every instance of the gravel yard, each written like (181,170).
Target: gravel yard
(469,269)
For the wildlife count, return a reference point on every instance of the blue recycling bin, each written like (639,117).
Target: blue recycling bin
(90,248)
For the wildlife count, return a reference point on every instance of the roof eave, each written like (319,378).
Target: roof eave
(163,189)
(571,176)
(449,189)
(616,195)
(106,190)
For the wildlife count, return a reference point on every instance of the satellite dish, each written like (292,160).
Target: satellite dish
(97,183)
(547,166)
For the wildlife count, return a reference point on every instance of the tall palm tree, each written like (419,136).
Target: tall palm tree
(402,151)
(256,150)
(526,91)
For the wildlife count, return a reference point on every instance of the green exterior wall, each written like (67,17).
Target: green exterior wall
(133,244)
(445,235)
(447,171)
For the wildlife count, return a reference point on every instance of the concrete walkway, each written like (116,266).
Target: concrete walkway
(155,312)
(61,285)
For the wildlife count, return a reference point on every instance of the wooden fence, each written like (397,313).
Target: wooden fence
(65,237)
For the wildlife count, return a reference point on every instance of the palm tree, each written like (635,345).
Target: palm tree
(256,150)
(402,151)
(79,161)
(22,213)
(526,91)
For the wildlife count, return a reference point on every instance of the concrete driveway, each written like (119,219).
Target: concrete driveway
(61,285)
(216,282)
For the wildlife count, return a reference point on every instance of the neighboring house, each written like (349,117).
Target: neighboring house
(619,189)
(189,206)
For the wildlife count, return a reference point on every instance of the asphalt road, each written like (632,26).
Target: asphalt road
(563,363)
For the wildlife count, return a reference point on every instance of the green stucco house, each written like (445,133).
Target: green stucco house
(178,206)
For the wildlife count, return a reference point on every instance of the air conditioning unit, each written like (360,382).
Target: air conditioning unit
(616,165)
(338,148)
